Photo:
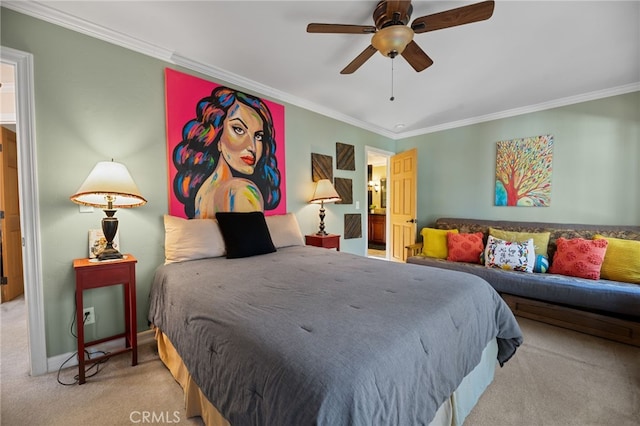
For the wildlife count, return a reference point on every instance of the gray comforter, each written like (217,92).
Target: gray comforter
(309,336)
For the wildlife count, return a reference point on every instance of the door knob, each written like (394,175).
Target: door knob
(412,221)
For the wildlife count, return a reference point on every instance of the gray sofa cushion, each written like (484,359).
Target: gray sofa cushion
(600,295)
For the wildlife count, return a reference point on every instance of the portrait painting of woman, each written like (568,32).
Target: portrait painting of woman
(226,156)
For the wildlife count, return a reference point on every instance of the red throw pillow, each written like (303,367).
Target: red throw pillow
(464,247)
(578,257)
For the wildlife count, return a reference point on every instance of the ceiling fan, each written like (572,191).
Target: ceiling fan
(392,36)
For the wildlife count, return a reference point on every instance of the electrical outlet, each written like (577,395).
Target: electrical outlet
(89,316)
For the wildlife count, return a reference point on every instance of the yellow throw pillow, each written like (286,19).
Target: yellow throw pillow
(621,260)
(540,239)
(434,242)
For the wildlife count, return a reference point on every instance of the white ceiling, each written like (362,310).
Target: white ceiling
(530,55)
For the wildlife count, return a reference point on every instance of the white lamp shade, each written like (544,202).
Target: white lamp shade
(109,179)
(324,192)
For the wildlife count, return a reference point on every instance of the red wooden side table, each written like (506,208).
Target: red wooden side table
(94,274)
(326,241)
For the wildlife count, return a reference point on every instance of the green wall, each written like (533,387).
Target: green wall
(596,165)
(95,101)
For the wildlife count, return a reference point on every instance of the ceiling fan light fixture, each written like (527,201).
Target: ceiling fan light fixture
(390,41)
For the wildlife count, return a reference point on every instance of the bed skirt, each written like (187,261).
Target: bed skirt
(451,413)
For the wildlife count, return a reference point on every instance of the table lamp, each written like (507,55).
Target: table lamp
(109,186)
(324,192)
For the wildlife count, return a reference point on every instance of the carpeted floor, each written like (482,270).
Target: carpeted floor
(558,377)
(118,395)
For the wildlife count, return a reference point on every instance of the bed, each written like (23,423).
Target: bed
(305,335)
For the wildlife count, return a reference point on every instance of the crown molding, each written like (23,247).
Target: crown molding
(45,13)
(268,91)
(585,97)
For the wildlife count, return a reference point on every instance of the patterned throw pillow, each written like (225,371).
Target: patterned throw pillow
(578,257)
(434,242)
(510,255)
(540,239)
(542,264)
(465,247)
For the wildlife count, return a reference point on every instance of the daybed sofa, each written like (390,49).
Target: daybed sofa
(605,308)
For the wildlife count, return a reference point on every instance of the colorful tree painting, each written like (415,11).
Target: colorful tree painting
(523,172)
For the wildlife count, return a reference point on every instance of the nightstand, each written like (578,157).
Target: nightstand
(326,241)
(94,274)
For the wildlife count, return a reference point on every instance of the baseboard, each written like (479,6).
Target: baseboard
(608,327)
(55,362)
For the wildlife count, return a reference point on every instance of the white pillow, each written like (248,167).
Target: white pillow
(510,255)
(190,239)
(284,230)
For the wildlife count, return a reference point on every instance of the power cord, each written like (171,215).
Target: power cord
(87,371)
(73,321)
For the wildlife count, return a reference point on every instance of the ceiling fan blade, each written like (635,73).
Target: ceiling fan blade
(416,57)
(341,29)
(454,17)
(359,60)
(400,7)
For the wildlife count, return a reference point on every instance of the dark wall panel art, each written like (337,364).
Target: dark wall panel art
(321,167)
(352,225)
(345,190)
(345,157)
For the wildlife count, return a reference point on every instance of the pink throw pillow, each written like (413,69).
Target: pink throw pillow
(578,257)
(464,247)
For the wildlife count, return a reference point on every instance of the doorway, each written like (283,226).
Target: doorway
(377,202)
(11,276)
(28,204)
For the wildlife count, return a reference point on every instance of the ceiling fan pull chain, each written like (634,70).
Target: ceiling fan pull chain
(392,97)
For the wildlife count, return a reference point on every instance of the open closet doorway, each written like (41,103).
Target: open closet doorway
(377,201)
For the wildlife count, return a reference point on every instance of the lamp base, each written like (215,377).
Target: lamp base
(321,231)
(109,229)
(110,254)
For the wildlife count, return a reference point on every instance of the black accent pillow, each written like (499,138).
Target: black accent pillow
(245,234)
